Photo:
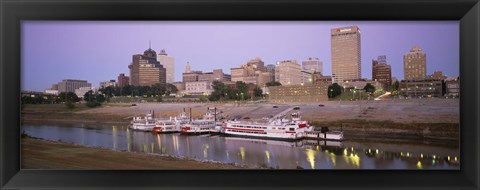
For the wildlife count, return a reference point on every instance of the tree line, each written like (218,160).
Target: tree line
(96,98)
(239,92)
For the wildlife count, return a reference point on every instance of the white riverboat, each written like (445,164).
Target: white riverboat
(146,123)
(201,126)
(166,126)
(279,128)
(171,125)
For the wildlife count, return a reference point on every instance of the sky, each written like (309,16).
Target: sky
(99,51)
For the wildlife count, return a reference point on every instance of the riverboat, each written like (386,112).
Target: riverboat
(166,126)
(146,123)
(171,125)
(278,128)
(201,126)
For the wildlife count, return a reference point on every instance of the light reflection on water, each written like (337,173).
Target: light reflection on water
(307,154)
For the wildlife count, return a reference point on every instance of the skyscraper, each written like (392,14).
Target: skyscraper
(169,63)
(346,57)
(381,71)
(313,64)
(145,70)
(415,64)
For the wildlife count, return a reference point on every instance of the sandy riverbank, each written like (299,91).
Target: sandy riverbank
(398,111)
(40,154)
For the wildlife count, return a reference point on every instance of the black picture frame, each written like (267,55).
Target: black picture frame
(13,12)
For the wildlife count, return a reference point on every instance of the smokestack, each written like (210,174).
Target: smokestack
(190,114)
(215,113)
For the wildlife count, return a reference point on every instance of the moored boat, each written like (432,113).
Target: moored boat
(146,123)
(171,125)
(279,128)
(166,126)
(201,126)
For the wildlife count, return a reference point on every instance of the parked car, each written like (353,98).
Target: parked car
(321,105)
(296,108)
(134,104)
(275,106)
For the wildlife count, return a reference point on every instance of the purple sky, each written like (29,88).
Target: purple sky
(99,51)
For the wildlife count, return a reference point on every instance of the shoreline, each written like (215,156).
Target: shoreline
(351,128)
(422,119)
(37,154)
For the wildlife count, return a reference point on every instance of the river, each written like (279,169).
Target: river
(255,153)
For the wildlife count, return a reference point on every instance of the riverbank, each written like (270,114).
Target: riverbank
(436,119)
(41,154)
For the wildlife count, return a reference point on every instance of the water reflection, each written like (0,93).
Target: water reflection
(309,154)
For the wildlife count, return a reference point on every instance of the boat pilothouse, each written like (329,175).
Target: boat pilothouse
(200,126)
(277,128)
(146,123)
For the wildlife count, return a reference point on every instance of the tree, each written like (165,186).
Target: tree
(109,91)
(88,96)
(369,88)
(258,92)
(334,90)
(100,98)
(395,86)
(242,89)
(69,96)
(171,88)
(273,83)
(126,90)
(219,91)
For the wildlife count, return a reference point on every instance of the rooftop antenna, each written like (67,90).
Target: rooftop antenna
(149,44)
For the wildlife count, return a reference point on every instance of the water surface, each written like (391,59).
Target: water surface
(307,154)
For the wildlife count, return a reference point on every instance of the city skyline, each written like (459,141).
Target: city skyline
(99,51)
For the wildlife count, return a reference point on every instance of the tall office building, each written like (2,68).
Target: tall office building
(288,72)
(346,54)
(415,64)
(145,70)
(381,71)
(313,64)
(169,63)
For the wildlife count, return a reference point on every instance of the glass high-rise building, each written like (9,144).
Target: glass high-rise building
(346,57)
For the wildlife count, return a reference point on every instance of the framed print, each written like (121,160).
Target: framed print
(204,94)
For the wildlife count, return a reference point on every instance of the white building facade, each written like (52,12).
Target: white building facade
(198,88)
(168,63)
(288,72)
